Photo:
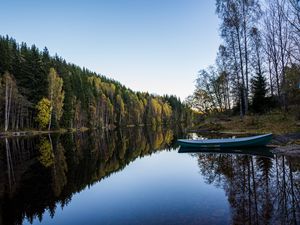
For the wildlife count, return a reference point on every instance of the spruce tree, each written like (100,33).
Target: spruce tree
(259,91)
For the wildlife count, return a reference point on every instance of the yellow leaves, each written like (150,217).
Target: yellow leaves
(47,157)
(161,111)
(109,89)
(169,136)
(59,97)
(43,115)
(56,93)
(156,107)
(167,110)
(96,81)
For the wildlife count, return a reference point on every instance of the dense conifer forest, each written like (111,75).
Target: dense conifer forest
(39,91)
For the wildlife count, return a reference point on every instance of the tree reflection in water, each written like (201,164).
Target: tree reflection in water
(260,190)
(40,173)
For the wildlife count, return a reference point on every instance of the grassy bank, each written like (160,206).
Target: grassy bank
(275,122)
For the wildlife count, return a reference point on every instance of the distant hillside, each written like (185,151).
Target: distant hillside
(43,91)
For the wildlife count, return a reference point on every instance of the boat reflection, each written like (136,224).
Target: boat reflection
(257,151)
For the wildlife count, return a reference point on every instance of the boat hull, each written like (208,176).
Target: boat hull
(254,141)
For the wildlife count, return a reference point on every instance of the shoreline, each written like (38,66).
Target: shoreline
(283,144)
(29,133)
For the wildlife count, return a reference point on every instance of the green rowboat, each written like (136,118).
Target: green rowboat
(259,140)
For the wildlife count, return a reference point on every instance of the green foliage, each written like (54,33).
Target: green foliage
(43,112)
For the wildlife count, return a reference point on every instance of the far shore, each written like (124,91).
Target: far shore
(28,133)
(286,135)
(25,133)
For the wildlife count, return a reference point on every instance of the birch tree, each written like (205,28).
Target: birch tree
(8,96)
(56,96)
(278,33)
(237,19)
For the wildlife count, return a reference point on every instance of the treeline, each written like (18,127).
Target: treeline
(258,64)
(42,91)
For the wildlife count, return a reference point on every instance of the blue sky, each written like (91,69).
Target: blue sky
(148,45)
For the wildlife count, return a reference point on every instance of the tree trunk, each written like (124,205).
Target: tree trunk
(8,93)
(237,76)
(246,58)
(282,55)
(243,95)
(51,108)
(270,75)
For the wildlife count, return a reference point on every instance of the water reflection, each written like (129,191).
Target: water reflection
(257,151)
(260,190)
(39,173)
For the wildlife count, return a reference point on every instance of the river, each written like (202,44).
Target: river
(137,176)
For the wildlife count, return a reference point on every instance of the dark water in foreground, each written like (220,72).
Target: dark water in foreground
(137,176)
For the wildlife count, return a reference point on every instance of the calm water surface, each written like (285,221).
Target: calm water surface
(137,176)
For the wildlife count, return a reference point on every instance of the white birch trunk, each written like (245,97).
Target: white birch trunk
(8,93)
(51,107)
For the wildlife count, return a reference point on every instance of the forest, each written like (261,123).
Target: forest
(39,91)
(257,67)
